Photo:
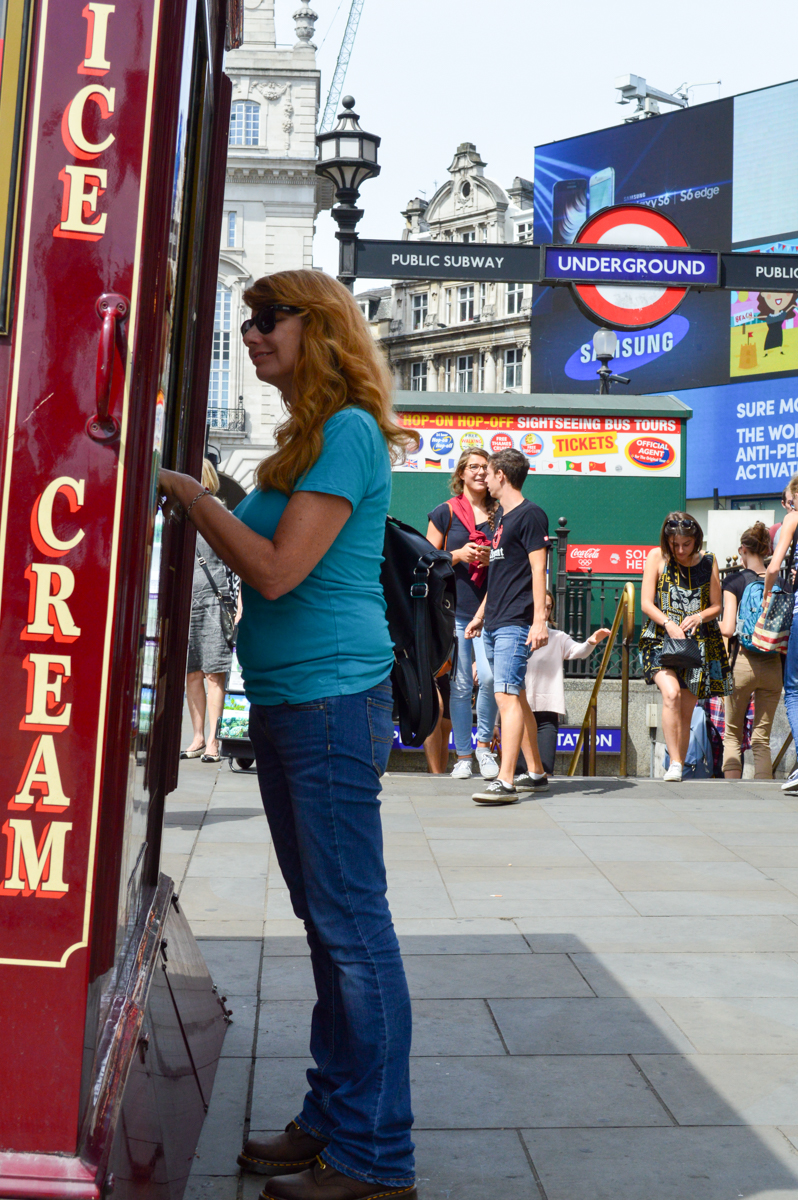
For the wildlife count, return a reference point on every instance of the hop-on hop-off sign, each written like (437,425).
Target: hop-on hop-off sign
(626,285)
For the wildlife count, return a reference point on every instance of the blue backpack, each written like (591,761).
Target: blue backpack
(748,614)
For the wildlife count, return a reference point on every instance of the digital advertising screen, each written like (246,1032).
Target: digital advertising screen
(727,173)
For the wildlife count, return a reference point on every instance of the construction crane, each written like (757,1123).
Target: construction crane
(344,54)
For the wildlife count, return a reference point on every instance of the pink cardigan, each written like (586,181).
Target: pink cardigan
(544,674)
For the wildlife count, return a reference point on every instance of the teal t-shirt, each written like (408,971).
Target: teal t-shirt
(329,636)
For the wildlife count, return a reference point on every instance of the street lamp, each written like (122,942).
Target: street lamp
(347,157)
(605,345)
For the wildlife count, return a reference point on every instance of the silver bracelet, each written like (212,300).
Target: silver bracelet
(199,495)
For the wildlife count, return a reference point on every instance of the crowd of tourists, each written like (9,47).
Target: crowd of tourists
(720,653)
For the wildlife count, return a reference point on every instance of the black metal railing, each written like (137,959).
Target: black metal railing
(586,602)
(230,418)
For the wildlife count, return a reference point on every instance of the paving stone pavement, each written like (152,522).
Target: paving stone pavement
(604,979)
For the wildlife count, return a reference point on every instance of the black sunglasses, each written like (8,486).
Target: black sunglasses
(670,526)
(265,318)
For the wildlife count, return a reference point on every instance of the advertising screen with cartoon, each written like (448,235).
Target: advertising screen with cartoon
(727,173)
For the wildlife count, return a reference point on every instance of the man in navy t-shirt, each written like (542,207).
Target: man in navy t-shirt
(512,621)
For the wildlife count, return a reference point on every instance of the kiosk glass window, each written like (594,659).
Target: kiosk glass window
(14,23)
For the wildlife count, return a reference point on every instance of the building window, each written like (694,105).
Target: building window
(219,390)
(419,309)
(448,306)
(484,237)
(483,296)
(512,368)
(515,294)
(418,377)
(231,228)
(523,231)
(244,123)
(465,300)
(468,235)
(447,377)
(481,384)
(465,372)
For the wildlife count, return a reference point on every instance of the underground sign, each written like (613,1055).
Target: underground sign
(641,262)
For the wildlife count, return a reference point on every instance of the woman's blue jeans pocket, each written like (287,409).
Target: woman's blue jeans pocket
(380,711)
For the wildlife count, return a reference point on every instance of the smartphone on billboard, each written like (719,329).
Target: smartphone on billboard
(601,192)
(569,204)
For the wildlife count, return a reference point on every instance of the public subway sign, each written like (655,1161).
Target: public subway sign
(607,560)
(62,491)
(447,260)
(554,445)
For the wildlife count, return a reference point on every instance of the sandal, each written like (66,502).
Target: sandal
(211,758)
(193,753)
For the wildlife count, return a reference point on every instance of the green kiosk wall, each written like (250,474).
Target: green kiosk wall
(599,508)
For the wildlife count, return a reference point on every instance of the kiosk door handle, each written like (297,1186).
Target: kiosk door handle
(112,309)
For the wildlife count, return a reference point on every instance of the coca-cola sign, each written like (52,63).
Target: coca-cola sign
(607,560)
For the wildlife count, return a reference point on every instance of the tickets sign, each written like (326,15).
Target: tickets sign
(554,445)
(607,560)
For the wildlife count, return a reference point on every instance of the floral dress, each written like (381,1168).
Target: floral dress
(682,591)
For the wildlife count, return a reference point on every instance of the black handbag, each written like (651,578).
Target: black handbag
(680,652)
(227,607)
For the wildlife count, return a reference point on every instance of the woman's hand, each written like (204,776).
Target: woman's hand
(474,627)
(692,622)
(472,553)
(671,629)
(599,636)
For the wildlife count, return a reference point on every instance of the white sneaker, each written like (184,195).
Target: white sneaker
(673,773)
(791,782)
(462,769)
(488,767)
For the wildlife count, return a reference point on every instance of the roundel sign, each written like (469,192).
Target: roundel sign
(627,305)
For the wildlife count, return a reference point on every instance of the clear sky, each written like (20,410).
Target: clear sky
(512,74)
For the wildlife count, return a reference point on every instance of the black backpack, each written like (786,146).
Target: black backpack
(420,599)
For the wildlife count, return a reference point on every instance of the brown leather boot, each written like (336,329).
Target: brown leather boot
(282,1153)
(323,1182)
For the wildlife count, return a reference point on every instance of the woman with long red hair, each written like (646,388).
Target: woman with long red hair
(316,658)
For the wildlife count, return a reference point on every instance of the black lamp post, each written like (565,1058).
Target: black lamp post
(605,344)
(347,157)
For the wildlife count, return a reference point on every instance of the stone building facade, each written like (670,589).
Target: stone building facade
(458,336)
(272,197)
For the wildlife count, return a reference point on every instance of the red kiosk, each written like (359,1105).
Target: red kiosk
(113,133)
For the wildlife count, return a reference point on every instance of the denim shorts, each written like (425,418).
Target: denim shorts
(508,655)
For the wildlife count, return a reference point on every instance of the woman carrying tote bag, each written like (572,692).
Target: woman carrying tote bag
(681,647)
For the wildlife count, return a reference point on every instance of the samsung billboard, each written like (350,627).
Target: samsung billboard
(727,173)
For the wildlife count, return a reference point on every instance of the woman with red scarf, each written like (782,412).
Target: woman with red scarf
(464,527)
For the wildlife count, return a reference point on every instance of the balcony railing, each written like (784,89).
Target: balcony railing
(231,418)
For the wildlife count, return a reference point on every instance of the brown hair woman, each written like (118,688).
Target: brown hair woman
(680,595)
(316,658)
(464,526)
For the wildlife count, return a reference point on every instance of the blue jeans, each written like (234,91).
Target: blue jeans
(462,687)
(508,654)
(791,678)
(319,767)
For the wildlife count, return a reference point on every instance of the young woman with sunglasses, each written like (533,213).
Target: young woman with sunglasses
(316,658)
(681,596)
(784,553)
(465,527)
